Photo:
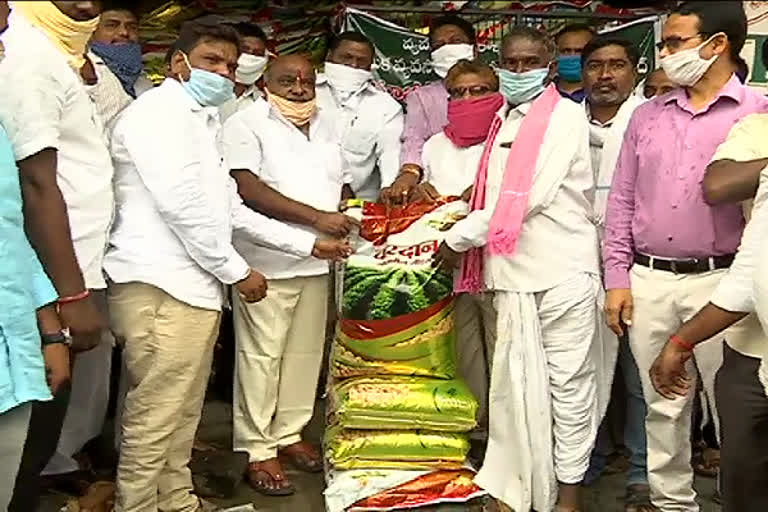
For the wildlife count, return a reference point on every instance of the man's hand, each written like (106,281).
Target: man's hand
(401,189)
(334,250)
(425,192)
(466,196)
(57,367)
(253,288)
(618,309)
(85,322)
(668,373)
(336,225)
(446,257)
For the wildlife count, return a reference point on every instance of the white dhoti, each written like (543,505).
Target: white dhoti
(544,393)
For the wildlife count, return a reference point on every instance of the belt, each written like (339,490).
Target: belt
(688,266)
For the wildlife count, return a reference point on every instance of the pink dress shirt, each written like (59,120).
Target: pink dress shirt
(656,204)
(426,114)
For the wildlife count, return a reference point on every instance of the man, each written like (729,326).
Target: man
(169,254)
(543,397)
(571,41)
(250,68)
(369,121)
(66,180)
(451,38)
(610,75)
(658,274)
(291,146)
(658,84)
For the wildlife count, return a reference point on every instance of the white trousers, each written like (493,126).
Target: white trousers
(663,301)
(543,401)
(279,350)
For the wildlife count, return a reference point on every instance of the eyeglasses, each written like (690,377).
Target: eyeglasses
(674,43)
(456,93)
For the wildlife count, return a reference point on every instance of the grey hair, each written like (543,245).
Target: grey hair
(531,34)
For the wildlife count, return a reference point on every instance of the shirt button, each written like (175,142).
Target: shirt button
(669,238)
(674,207)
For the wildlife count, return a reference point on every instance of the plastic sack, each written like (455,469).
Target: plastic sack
(396,313)
(403,403)
(395,449)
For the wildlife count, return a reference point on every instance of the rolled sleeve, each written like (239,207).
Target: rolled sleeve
(242,149)
(746,140)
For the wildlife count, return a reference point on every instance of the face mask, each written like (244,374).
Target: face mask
(686,67)
(569,68)
(446,56)
(124,60)
(70,36)
(469,120)
(346,79)
(522,87)
(250,68)
(207,88)
(297,112)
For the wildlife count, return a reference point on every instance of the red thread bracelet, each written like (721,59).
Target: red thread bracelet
(74,298)
(681,342)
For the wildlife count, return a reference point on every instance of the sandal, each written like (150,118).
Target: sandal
(707,464)
(638,499)
(303,457)
(268,478)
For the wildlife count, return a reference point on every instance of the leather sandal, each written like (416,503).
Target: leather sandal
(303,456)
(268,478)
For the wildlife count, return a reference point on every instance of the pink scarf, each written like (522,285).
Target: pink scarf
(507,219)
(469,120)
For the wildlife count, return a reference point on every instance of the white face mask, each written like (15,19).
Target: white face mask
(250,68)
(346,79)
(446,56)
(686,67)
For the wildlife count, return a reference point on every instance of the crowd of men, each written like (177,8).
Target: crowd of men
(614,229)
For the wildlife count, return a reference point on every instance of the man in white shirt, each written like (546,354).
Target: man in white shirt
(285,156)
(737,170)
(66,179)
(543,396)
(170,254)
(369,121)
(250,68)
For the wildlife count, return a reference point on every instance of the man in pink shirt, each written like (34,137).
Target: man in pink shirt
(665,248)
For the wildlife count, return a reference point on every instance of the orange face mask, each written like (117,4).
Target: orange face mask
(297,112)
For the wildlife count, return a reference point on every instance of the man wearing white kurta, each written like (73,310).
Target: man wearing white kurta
(543,398)
(369,121)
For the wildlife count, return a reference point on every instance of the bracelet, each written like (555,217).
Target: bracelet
(677,340)
(74,298)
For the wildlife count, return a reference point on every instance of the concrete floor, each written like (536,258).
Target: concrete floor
(604,496)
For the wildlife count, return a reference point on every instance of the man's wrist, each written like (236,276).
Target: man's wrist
(61,337)
(681,342)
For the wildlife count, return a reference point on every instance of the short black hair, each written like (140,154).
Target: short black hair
(456,21)
(349,35)
(120,5)
(719,16)
(575,27)
(601,42)
(531,34)
(192,33)
(246,29)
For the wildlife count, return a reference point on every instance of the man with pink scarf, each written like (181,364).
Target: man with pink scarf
(531,241)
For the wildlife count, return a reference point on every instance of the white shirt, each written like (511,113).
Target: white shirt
(177,206)
(449,168)
(370,124)
(107,93)
(558,238)
(44,104)
(240,103)
(309,170)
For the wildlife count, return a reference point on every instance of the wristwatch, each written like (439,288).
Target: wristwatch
(62,337)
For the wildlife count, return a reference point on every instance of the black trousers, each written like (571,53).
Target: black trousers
(743,409)
(43,437)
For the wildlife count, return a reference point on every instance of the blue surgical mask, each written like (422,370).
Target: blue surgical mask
(522,87)
(207,88)
(569,67)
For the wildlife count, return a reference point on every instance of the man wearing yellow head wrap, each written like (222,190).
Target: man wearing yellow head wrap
(65,174)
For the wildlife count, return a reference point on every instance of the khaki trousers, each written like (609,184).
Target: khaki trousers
(167,360)
(662,302)
(475,338)
(279,350)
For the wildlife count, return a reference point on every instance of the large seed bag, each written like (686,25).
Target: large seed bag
(402,403)
(396,309)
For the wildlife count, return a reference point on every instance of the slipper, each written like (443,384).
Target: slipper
(638,499)
(303,456)
(268,478)
(707,464)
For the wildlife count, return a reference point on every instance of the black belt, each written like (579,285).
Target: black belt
(689,266)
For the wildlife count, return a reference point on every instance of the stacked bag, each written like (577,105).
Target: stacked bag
(395,402)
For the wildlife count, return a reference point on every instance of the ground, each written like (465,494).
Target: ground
(605,496)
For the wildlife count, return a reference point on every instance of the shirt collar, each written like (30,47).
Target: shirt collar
(732,89)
